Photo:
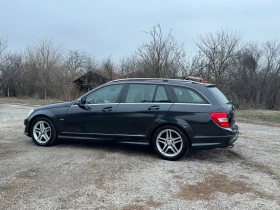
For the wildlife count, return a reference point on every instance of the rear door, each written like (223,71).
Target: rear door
(191,108)
(142,106)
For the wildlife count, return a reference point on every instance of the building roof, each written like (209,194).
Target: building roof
(106,75)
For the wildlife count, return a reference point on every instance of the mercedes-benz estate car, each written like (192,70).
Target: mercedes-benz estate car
(171,115)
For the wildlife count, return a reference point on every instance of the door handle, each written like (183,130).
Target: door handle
(107,109)
(151,108)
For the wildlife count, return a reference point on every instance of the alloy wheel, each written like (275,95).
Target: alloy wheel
(169,142)
(42,132)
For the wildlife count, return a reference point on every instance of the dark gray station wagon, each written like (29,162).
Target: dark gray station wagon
(172,116)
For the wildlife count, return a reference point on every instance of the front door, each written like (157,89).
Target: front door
(95,118)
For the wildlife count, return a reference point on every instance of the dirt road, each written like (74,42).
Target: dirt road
(83,175)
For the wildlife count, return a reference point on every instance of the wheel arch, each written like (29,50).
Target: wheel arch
(186,131)
(36,117)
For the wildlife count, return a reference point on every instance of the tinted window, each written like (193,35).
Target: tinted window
(138,93)
(108,94)
(218,95)
(186,95)
(161,95)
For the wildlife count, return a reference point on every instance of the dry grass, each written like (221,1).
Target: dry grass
(134,207)
(27,101)
(154,204)
(258,116)
(212,183)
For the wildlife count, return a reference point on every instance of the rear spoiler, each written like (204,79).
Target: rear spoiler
(210,85)
(199,80)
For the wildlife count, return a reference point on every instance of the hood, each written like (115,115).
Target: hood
(56,105)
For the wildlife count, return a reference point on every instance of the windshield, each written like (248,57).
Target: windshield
(219,95)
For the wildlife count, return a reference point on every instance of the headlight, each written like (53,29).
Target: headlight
(30,112)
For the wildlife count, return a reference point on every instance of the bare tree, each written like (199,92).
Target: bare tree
(243,82)
(77,61)
(162,56)
(10,67)
(3,47)
(219,50)
(129,67)
(270,75)
(108,67)
(45,57)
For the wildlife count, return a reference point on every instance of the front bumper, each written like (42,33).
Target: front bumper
(211,142)
(26,130)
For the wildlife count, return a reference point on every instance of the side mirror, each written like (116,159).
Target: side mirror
(79,102)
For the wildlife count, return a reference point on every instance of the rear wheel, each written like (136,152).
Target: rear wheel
(170,143)
(43,132)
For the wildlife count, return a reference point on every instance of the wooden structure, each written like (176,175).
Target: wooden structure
(92,79)
(196,79)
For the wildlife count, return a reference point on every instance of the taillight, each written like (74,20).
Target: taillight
(220,118)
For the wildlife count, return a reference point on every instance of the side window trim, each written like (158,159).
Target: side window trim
(167,94)
(155,93)
(124,94)
(170,87)
(170,94)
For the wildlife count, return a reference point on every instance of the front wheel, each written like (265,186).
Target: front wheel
(43,132)
(170,143)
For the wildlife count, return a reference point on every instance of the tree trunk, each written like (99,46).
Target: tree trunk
(45,93)
(8,91)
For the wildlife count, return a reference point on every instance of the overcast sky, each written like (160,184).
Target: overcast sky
(104,28)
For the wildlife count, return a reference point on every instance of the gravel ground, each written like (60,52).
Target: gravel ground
(84,175)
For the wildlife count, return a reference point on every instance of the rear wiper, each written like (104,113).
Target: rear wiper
(229,102)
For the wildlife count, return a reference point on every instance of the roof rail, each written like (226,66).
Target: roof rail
(147,79)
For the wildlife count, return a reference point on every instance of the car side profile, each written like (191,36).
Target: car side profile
(171,115)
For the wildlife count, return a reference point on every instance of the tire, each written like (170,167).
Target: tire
(45,136)
(170,143)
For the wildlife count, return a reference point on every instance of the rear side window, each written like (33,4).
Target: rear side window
(186,95)
(218,95)
(138,93)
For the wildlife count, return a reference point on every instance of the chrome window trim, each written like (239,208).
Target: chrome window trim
(149,103)
(193,104)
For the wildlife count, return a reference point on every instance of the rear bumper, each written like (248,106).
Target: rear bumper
(211,142)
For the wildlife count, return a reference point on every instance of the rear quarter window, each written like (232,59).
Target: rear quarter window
(187,95)
(218,95)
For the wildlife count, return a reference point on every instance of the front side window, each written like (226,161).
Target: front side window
(108,94)
(138,93)
(186,95)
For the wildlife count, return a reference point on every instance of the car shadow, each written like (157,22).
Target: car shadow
(109,146)
(213,155)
